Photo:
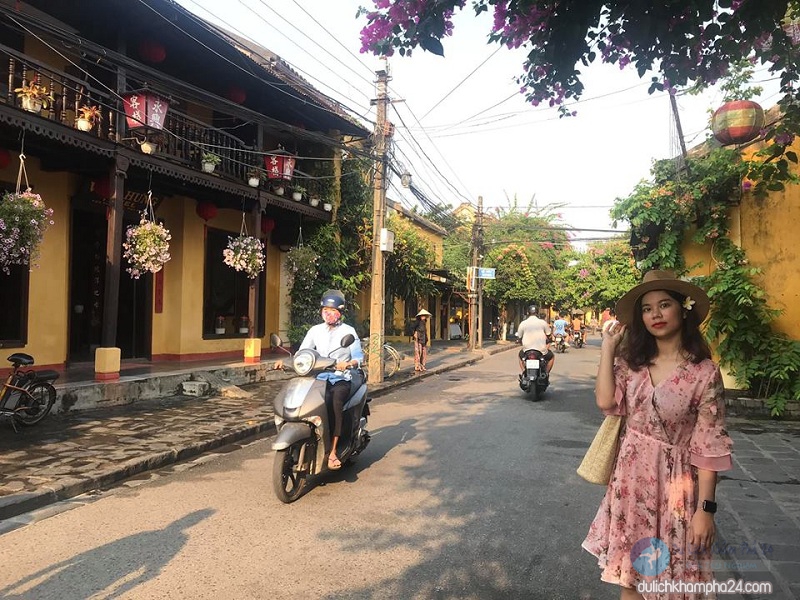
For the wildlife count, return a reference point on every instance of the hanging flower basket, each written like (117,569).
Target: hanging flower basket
(23,221)
(146,248)
(245,253)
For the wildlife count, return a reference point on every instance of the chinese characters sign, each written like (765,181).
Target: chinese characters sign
(145,109)
(279,166)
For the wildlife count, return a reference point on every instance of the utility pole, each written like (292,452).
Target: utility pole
(377,296)
(676,116)
(479,282)
(472,279)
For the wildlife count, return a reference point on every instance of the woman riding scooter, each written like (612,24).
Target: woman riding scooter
(326,338)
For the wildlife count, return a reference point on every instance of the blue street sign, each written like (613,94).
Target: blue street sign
(484,273)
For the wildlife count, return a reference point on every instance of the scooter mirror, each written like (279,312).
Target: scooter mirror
(275,340)
(347,340)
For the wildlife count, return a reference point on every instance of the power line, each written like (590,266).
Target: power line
(460,83)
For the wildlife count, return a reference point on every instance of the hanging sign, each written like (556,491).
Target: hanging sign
(145,109)
(484,273)
(279,166)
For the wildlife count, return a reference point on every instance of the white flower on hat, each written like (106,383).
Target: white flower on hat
(688,303)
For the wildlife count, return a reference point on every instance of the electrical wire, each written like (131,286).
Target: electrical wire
(208,26)
(238,32)
(460,83)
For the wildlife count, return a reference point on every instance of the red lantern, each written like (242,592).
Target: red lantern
(145,109)
(206,210)
(5,158)
(279,165)
(236,94)
(267,225)
(152,51)
(102,187)
(737,122)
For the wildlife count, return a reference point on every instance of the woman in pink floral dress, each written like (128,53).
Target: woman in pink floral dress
(656,521)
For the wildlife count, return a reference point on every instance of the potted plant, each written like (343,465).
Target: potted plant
(314,201)
(327,206)
(244,324)
(219,325)
(254,177)
(23,221)
(297,192)
(146,247)
(209,162)
(278,188)
(245,253)
(89,115)
(33,96)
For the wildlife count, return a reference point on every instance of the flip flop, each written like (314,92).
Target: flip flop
(334,463)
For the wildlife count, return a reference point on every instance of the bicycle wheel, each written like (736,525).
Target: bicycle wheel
(35,407)
(391,361)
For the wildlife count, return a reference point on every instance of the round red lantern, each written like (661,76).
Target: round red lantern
(737,122)
(206,210)
(5,158)
(152,51)
(102,187)
(236,94)
(267,225)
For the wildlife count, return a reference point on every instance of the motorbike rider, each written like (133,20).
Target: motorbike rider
(326,338)
(577,324)
(534,334)
(560,326)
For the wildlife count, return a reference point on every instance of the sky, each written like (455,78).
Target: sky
(461,127)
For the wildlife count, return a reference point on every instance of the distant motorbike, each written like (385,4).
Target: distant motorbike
(303,442)
(560,342)
(577,338)
(535,378)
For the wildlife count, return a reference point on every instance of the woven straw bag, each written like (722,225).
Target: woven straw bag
(597,465)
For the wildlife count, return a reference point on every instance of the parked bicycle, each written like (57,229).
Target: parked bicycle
(27,395)
(391,359)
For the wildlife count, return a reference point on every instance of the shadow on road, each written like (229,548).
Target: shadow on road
(116,568)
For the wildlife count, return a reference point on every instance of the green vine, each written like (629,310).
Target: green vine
(697,197)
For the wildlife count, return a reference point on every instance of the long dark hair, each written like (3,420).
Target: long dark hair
(639,347)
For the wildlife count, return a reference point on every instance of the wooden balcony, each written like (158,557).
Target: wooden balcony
(182,140)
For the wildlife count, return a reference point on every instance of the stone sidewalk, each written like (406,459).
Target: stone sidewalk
(76,452)
(72,453)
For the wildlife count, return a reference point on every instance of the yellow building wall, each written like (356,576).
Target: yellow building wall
(178,330)
(49,277)
(765,230)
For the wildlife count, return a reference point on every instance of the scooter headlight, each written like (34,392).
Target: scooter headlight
(303,362)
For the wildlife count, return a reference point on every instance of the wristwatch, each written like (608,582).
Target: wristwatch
(709,506)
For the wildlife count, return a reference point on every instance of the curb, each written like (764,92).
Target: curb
(14,505)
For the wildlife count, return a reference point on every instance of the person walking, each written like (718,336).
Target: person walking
(421,340)
(656,521)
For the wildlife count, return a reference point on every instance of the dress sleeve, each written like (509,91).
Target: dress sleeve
(710,444)
(621,377)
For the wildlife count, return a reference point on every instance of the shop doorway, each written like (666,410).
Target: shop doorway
(87,290)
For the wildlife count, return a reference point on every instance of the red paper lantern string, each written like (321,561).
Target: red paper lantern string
(206,210)
(236,94)
(152,51)
(267,225)
(102,187)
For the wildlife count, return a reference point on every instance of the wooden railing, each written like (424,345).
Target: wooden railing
(182,140)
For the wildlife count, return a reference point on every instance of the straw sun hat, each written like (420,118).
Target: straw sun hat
(423,312)
(663,280)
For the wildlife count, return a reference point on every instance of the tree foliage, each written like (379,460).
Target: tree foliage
(677,43)
(341,250)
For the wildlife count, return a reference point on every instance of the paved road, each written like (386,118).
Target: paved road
(468,490)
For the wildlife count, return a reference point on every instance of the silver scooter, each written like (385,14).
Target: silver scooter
(304,423)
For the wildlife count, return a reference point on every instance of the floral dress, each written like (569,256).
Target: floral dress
(670,430)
